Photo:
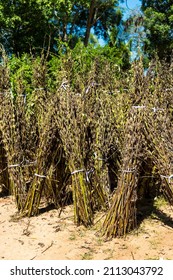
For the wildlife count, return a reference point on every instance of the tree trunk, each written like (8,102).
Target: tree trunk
(89,22)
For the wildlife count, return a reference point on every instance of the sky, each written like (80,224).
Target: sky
(133,3)
(130,6)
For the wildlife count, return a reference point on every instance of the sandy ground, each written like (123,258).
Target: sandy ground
(50,237)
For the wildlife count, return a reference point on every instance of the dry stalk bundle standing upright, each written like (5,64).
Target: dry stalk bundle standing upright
(23,154)
(105,144)
(4,175)
(121,217)
(158,125)
(37,137)
(4,85)
(8,129)
(159,135)
(73,133)
(19,136)
(50,169)
(8,137)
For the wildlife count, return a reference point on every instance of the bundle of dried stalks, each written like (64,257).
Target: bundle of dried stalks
(4,175)
(73,123)
(158,132)
(50,170)
(7,125)
(121,216)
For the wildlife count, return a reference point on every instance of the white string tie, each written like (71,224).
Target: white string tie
(167,177)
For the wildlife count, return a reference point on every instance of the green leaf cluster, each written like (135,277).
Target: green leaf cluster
(159,27)
(28,26)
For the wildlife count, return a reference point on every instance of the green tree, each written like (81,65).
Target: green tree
(23,25)
(158,24)
(28,25)
(102,16)
(76,19)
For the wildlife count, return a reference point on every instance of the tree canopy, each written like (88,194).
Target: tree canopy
(23,25)
(32,24)
(159,27)
(29,26)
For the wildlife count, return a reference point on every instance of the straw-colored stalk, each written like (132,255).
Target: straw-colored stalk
(33,198)
(158,132)
(82,197)
(121,217)
(4,175)
(41,178)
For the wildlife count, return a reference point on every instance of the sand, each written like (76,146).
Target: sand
(51,236)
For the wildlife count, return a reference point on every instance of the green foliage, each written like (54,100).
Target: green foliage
(29,26)
(105,16)
(81,59)
(21,74)
(118,55)
(158,25)
(24,26)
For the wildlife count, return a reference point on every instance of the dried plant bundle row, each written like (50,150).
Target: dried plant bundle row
(89,138)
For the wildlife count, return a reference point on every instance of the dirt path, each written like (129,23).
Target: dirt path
(49,236)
